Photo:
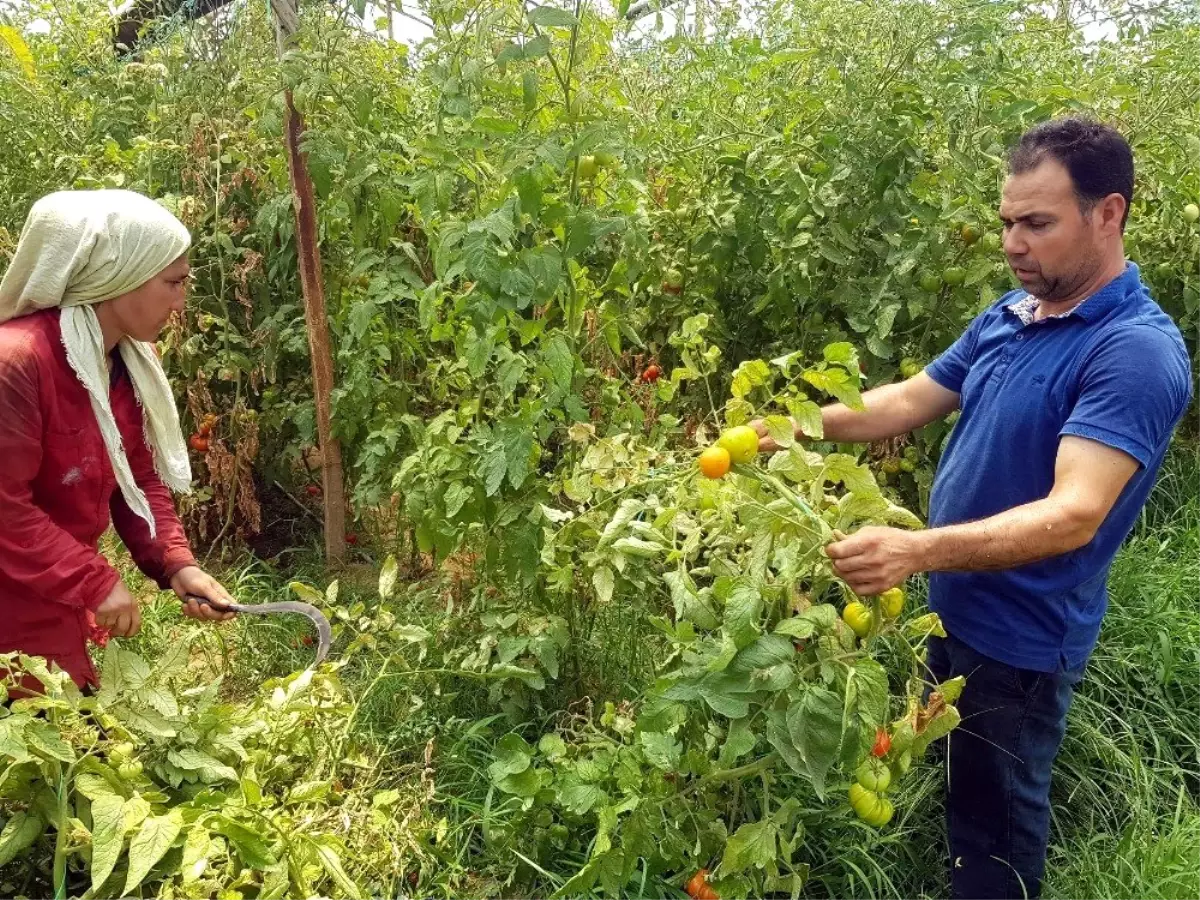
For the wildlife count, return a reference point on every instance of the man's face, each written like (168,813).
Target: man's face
(1052,247)
(142,313)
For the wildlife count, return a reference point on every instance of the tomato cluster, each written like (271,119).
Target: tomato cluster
(199,440)
(736,445)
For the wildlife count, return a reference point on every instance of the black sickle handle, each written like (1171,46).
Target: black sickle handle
(219,607)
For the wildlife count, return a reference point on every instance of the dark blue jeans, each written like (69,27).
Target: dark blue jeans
(998,764)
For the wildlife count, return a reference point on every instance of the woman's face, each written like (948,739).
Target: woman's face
(143,313)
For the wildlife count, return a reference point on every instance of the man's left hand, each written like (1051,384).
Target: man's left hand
(874,559)
(194,580)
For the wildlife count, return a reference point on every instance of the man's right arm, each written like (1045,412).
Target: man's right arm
(891,409)
(895,409)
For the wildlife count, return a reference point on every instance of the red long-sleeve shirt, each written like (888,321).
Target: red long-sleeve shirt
(58,493)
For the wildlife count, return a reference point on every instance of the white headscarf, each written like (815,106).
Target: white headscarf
(79,248)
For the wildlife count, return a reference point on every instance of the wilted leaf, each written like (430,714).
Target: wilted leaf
(387,577)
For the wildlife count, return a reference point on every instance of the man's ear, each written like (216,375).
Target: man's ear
(1111,210)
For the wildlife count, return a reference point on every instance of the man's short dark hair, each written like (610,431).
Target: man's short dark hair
(1098,159)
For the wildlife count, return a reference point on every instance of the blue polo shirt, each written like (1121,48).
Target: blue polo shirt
(1114,370)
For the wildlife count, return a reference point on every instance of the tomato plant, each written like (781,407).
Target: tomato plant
(735,694)
(143,784)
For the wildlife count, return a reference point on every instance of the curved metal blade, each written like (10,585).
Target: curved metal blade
(324,631)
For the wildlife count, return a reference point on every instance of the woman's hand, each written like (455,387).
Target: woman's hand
(118,612)
(194,580)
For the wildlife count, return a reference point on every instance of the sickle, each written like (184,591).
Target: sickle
(324,632)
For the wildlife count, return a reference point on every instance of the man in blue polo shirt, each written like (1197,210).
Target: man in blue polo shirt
(1069,390)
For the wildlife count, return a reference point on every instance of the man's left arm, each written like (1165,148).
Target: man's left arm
(1088,479)
(1132,391)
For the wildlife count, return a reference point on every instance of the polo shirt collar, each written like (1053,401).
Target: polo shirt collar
(1090,308)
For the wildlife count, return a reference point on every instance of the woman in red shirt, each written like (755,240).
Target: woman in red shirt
(89,432)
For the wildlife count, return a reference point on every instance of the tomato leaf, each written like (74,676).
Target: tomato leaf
(781,430)
(661,750)
(250,845)
(18,835)
(108,837)
(739,741)
(838,383)
(332,863)
(768,650)
(750,374)
(752,846)
(551,17)
(743,606)
(46,741)
(815,726)
(797,627)
(689,605)
(604,581)
(149,845)
(196,848)
(210,770)
(511,756)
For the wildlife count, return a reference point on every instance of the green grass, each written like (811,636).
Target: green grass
(1127,783)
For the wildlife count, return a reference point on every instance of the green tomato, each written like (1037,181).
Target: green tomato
(858,617)
(954,276)
(742,443)
(873,774)
(891,602)
(588,167)
(930,283)
(1191,213)
(130,770)
(907,465)
(878,814)
(991,242)
(870,807)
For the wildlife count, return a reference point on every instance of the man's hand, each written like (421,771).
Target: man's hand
(766,443)
(118,612)
(193,580)
(874,559)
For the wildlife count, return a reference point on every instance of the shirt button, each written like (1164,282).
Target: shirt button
(1020,337)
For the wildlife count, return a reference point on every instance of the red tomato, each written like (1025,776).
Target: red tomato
(883,743)
(351,539)
(699,889)
(199,443)
(652,373)
(313,491)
